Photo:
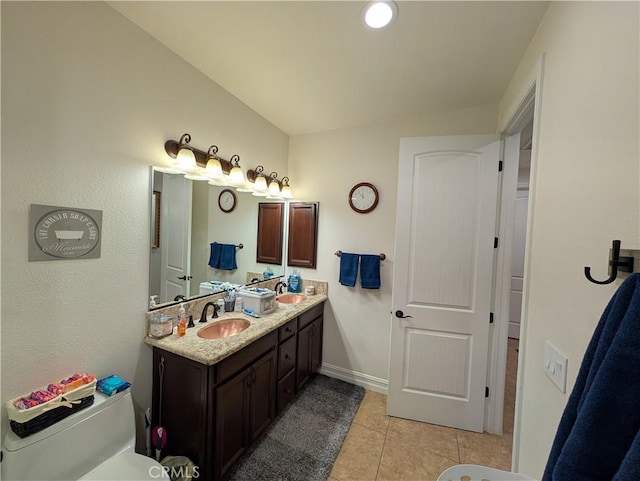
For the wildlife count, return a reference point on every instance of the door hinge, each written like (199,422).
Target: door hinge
(499,166)
(491,318)
(495,242)
(486,391)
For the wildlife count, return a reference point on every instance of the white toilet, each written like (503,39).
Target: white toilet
(96,443)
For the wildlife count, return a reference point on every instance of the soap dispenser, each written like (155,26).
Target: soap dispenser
(153,302)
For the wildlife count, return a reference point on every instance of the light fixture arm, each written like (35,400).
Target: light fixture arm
(185,139)
(213,150)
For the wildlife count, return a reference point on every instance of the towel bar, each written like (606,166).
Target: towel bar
(382,256)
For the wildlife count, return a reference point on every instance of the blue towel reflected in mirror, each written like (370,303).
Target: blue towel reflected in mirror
(223,256)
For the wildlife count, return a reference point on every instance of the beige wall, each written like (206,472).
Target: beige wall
(586,191)
(326,165)
(88,101)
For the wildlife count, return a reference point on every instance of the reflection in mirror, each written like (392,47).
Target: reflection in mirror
(190,219)
(270,229)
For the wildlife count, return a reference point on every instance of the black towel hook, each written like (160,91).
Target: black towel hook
(624,264)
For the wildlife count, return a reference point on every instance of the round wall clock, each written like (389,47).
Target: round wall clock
(363,197)
(227,200)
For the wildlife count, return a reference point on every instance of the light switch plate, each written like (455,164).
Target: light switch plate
(555,366)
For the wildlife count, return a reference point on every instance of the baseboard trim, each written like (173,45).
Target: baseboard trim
(368,382)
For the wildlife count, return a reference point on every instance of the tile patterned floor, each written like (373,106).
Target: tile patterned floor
(383,448)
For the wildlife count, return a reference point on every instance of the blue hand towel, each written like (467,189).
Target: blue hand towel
(348,269)
(214,255)
(370,271)
(597,437)
(228,257)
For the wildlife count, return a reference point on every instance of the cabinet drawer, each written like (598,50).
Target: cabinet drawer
(241,359)
(286,391)
(286,357)
(288,330)
(307,317)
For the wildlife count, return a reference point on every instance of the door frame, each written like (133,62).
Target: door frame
(527,105)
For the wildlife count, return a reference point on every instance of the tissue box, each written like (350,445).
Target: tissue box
(258,300)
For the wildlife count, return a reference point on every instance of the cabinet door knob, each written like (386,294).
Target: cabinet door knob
(286,356)
(288,390)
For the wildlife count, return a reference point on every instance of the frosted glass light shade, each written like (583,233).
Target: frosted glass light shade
(260,184)
(236,176)
(213,168)
(274,188)
(286,192)
(185,159)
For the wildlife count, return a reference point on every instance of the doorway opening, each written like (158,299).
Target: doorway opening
(517,276)
(520,133)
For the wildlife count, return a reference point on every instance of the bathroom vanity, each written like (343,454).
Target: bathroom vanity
(214,397)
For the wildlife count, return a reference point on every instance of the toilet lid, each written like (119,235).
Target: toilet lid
(127,466)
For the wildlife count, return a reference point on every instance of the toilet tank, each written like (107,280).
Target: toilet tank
(73,446)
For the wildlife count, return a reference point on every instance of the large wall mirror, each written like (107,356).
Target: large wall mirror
(190,218)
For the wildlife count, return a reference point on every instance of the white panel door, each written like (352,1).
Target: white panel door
(442,281)
(517,263)
(175,242)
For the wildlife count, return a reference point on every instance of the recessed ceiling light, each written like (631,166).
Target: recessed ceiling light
(377,15)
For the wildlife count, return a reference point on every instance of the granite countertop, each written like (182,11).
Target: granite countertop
(212,351)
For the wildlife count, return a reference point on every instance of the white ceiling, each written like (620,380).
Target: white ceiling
(312,66)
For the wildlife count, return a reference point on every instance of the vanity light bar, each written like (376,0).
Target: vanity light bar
(172,147)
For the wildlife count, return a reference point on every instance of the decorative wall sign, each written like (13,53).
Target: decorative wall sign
(57,233)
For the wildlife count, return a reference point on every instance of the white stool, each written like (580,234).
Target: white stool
(479,473)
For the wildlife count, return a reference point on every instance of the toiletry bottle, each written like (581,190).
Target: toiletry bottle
(238,305)
(294,282)
(182,321)
(153,302)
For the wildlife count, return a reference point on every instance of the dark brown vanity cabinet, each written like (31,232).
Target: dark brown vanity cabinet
(212,414)
(245,407)
(286,364)
(309,338)
(183,386)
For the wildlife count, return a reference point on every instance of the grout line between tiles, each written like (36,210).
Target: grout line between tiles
(384,443)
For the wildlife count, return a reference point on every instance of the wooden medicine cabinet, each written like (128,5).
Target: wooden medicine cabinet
(270,228)
(303,234)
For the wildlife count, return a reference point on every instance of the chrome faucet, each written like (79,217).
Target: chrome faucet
(203,317)
(280,287)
